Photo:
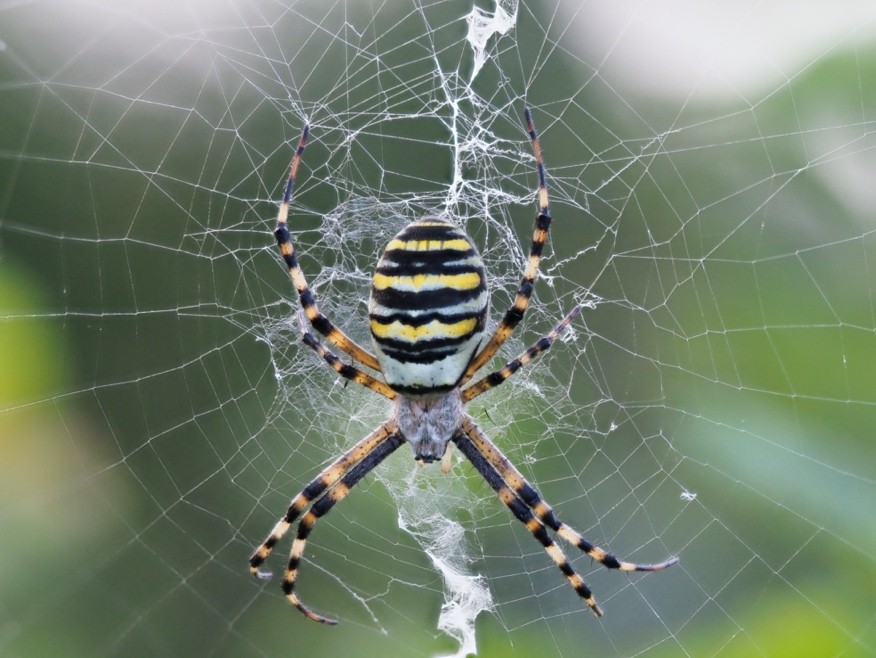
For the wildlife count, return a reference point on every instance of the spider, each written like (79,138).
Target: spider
(427,314)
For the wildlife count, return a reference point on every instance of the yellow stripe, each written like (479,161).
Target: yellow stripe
(433,329)
(457,244)
(466,281)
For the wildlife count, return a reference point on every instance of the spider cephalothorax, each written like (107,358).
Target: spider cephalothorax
(427,314)
(428,423)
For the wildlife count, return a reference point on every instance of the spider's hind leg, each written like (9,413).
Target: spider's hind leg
(322,507)
(520,510)
(319,485)
(542,510)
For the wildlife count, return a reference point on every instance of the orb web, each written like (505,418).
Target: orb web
(713,400)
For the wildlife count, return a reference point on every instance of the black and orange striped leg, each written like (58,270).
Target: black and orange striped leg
(523,513)
(542,345)
(287,249)
(542,225)
(345,370)
(543,511)
(325,480)
(322,507)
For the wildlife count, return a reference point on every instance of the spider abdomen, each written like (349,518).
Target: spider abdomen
(428,306)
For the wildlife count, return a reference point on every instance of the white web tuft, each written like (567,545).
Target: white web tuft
(428,504)
(483,25)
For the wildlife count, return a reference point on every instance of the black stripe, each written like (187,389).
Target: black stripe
(312,490)
(418,231)
(418,347)
(426,318)
(543,221)
(282,235)
(418,356)
(423,390)
(610,561)
(568,572)
(435,269)
(404,300)
(469,449)
(404,258)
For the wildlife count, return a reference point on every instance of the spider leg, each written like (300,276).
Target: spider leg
(325,480)
(542,225)
(287,249)
(542,345)
(520,510)
(542,510)
(321,507)
(347,371)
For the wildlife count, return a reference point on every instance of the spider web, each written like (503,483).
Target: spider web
(710,172)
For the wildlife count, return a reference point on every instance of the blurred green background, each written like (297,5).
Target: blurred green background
(718,402)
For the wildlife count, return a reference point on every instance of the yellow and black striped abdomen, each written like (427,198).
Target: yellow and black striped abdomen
(428,307)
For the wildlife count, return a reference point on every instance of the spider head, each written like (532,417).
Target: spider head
(428,423)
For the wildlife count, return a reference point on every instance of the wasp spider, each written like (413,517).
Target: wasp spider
(427,316)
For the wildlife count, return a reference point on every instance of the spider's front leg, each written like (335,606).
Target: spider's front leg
(515,314)
(287,250)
